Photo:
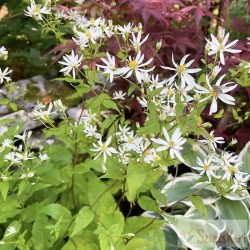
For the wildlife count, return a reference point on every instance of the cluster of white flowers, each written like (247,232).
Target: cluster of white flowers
(20,155)
(37,11)
(46,113)
(127,146)
(225,167)
(164,93)
(4,73)
(3,53)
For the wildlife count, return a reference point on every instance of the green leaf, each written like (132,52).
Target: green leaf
(148,203)
(147,229)
(244,157)
(135,178)
(179,188)
(110,104)
(107,123)
(85,241)
(139,244)
(91,76)
(4,101)
(110,229)
(82,220)
(131,89)
(16,225)
(199,204)
(13,106)
(122,55)
(151,126)
(4,188)
(69,80)
(237,218)
(40,235)
(9,209)
(57,211)
(194,234)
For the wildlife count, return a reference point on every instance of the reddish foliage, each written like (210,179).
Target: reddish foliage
(182,26)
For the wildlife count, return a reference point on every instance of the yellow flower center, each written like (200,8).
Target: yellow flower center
(232,169)
(206,167)
(181,68)
(37,8)
(170,92)
(133,65)
(88,34)
(214,92)
(130,140)
(171,144)
(147,152)
(221,47)
(104,147)
(157,158)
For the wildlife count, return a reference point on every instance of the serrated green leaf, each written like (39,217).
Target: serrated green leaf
(199,204)
(82,220)
(4,188)
(135,178)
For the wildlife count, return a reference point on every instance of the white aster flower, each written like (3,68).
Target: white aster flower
(150,156)
(217,91)
(12,158)
(109,67)
(123,131)
(155,82)
(90,131)
(25,156)
(87,116)
(213,141)
(131,142)
(136,66)
(219,45)
(143,101)
(89,35)
(7,143)
(226,159)
(232,170)
(107,29)
(207,167)
(59,105)
(30,174)
(44,115)
(37,10)
(3,53)
(25,136)
(43,157)
(137,41)
(72,63)
(173,144)
(10,230)
(216,70)
(119,95)
(123,155)
(72,14)
(240,181)
(4,75)
(184,92)
(183,71)
(104,149)
(125,30)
